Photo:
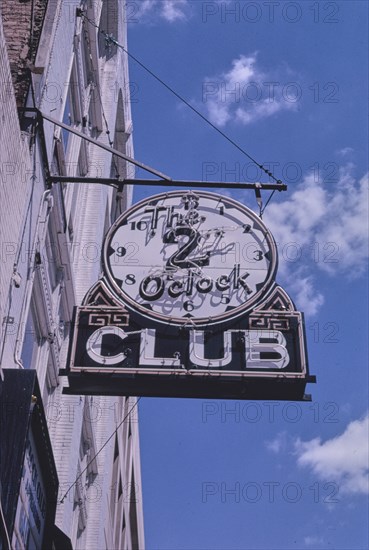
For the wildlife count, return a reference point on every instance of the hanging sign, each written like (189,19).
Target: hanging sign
(188,306)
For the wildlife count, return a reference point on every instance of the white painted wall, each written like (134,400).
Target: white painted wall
(33,221)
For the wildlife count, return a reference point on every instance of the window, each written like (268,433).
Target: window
(109,24)
(50,257)
(114,480)
(72,109)
(31,342)
(51,399)
(133,514)
(86,57)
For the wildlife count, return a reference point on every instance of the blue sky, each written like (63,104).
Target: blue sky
(288,82)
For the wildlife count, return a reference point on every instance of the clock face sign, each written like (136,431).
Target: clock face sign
(190,258)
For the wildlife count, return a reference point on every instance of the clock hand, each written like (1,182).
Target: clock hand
(219,230)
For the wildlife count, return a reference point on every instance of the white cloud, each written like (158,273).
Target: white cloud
(345,151)
(243,70)
(245,94)
(321,228)
(278,444)
(169,10)
(218,114)
(335,219)
(173,10)
(343,459)
(313,541)
(307,298)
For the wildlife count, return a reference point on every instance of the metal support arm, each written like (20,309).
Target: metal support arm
(172,183)
(164,180)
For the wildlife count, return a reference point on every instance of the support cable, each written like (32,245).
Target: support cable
(99,451)
(262,210)
(111,40)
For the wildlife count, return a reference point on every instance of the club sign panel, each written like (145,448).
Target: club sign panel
(188,306)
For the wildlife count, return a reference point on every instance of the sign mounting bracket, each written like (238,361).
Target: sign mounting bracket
(163,181)
(185,184)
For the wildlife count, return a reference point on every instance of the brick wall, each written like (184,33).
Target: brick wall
(22,23)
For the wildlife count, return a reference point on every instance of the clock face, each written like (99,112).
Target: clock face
(188,257)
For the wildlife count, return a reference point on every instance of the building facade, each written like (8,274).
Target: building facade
(56,61)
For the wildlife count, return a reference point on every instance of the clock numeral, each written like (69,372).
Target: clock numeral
(225,299)
(130,279)
(258,255)
(140,225)
(121,251)
(220,206)
(129,252)
(191,201)
(188,305)
(246,228)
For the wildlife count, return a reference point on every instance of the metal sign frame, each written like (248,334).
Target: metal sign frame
(179,381)
(118,349)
